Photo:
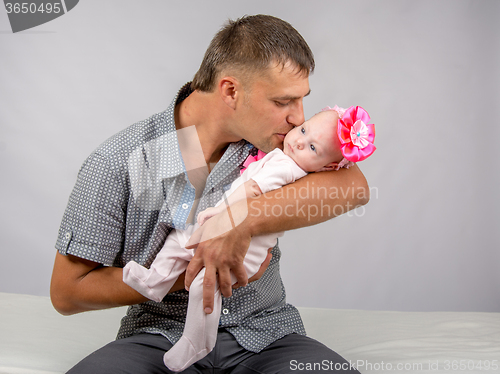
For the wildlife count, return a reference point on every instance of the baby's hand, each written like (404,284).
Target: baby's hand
(206,214)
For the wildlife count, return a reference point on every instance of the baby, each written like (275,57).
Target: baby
(330,140)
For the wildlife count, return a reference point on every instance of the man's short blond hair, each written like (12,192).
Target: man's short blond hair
(251,45)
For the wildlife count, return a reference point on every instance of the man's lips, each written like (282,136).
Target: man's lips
(281,136)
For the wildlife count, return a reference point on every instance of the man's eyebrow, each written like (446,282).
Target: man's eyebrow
(289,97)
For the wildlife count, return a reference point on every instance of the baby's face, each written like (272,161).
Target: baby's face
(315,143)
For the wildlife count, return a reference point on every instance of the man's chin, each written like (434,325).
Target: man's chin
(278,142)
(267,145)
(272,147)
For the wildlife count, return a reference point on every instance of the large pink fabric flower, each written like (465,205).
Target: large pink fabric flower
(356,134)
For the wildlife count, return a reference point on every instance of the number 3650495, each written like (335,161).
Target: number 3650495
(33,8)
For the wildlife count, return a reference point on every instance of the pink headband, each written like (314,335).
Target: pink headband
(356,135)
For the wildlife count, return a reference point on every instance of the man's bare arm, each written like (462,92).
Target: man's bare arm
(79,285)
(330,194)
(313,199)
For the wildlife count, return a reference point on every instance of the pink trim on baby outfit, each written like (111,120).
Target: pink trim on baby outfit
(260,155)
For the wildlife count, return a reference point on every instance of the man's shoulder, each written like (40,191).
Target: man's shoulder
(136,135)
(142,132)
(114,154)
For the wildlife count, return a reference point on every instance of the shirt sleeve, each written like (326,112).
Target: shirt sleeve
(93,224)
(277,172)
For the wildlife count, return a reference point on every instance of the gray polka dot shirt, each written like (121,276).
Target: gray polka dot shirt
(130,193)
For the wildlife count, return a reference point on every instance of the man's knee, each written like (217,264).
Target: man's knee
(137,354)
(296,352)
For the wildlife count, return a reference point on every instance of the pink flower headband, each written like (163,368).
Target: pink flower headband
(356,135)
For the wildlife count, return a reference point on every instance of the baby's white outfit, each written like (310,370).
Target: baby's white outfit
(200,331)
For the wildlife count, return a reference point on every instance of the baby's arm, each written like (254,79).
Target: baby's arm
(247,190)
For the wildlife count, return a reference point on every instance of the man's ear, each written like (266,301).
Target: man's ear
(329,167)
(229,89)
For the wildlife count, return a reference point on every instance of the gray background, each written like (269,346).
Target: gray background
(426,71)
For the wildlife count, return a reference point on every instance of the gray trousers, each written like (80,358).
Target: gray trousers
(143,353)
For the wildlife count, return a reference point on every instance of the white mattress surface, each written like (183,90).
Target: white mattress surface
(35,339)
(410,342)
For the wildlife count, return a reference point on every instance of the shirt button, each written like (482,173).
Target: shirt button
(225,311)
(68,235)
(185,206)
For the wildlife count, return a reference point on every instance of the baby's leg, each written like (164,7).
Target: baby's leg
(155,282)
(200,329)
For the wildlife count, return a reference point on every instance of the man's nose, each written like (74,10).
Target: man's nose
(296,115)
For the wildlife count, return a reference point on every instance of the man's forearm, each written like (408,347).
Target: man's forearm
(80,285)
(100,289)
(313,199)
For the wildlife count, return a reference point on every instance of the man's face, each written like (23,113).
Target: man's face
(272,107)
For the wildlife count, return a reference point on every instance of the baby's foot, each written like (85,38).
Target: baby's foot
(183,354)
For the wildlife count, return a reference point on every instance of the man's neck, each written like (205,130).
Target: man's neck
(207,114)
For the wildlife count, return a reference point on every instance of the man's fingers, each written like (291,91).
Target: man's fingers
(194,267)
(209,286)
(262,269)
(225,282)
(241,275)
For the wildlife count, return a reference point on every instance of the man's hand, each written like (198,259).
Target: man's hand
(221,248)
(261,271)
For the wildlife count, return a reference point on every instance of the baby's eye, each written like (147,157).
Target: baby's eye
(302,130)
(313,148)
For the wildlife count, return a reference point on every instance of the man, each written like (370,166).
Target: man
(138,186)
